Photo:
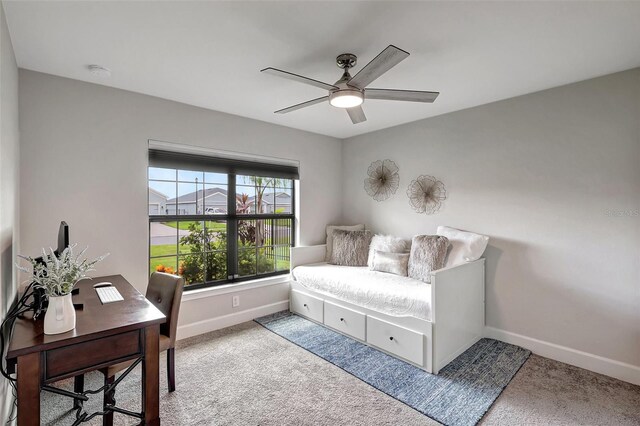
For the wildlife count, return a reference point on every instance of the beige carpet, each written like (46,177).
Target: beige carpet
(246,375)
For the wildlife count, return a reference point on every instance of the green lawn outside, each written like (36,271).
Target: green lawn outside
(163,250)
(169,251)
(217,226)
(282,265)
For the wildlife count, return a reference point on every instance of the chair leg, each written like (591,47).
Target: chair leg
(171,369)
(78,387)
(107,419)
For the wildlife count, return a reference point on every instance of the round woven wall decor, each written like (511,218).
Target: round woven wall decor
(426,194)
(383,180)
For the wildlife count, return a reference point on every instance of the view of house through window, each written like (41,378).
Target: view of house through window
(214,228)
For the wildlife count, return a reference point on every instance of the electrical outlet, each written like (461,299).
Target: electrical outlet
(235,301)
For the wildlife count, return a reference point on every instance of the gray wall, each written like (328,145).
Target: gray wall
(9,180)
(85,145)
(554,178)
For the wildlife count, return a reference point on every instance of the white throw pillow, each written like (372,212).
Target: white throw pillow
(393,263)
(465,246)
(330,229)
(387,243)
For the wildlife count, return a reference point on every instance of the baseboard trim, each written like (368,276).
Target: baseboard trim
(609,367)
(211,324)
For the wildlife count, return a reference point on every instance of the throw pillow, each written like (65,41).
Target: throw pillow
(465,246)
(350,248)
(393,263)
(330,229)
(387,243)
(428,253)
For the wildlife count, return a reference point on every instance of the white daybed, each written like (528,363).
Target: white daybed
(427,325)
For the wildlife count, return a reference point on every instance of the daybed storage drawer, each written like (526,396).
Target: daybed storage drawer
(305,305)
(345,320)
(400,341)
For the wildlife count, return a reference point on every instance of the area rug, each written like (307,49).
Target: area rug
(458,396)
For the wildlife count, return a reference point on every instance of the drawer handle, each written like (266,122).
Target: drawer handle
(305,305)
(342,319)
(391,338)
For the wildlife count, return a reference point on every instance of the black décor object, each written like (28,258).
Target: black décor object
(77,306)
(40,301)
(63,237)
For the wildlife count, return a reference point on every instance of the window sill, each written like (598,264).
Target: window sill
(202,293)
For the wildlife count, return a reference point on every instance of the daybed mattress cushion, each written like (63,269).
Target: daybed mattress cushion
(379,291)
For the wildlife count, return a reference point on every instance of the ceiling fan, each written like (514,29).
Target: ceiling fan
(350,92)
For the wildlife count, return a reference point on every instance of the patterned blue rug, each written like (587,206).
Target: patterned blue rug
(458,396)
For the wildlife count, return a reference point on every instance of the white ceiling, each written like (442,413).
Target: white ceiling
(209,53)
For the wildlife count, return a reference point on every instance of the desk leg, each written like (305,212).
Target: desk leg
(78,387)
(107,419)
(151,377)
(29,375)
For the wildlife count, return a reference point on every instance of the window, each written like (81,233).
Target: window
(216,221)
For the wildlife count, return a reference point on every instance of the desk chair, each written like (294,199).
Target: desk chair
(165,292)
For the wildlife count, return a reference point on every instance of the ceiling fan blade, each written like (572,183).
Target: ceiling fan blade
(356,114)
(302,105)
(298,78)
(401,95)
(387,59)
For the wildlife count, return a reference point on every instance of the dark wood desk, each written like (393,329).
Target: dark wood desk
(104,335)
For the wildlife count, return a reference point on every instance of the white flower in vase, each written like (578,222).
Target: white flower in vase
(57,276)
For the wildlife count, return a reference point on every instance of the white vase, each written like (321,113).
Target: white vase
(60,316)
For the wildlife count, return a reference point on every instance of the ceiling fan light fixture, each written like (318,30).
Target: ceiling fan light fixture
(348,92)
(346,98)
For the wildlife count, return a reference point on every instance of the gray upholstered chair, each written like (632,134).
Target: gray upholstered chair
(165,292)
